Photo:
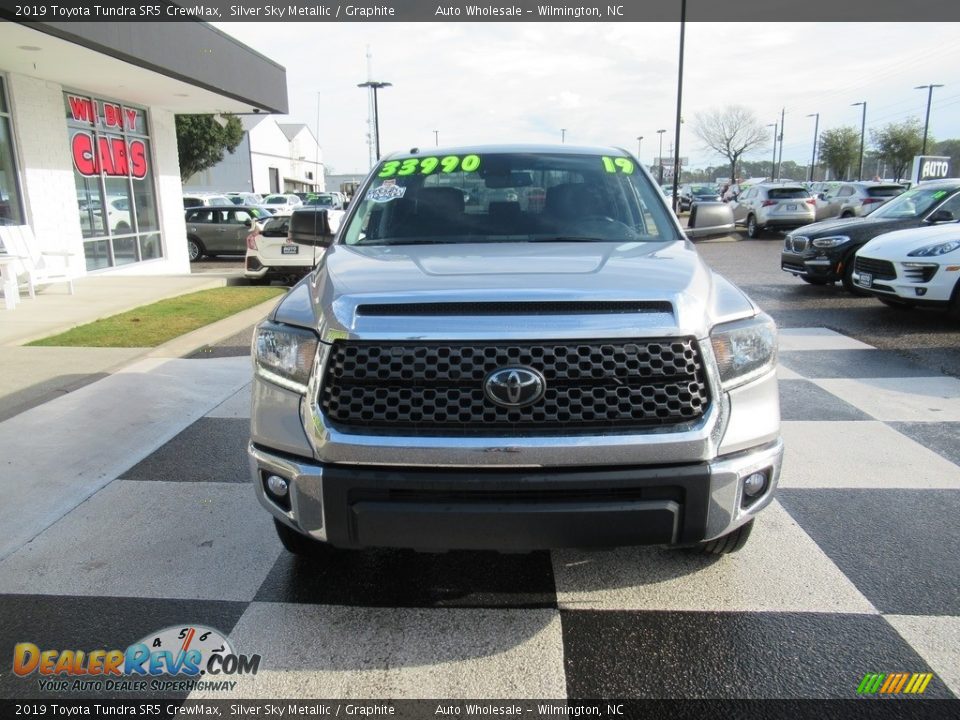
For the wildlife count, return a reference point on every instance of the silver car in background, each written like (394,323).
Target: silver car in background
(770,206)
(855,199)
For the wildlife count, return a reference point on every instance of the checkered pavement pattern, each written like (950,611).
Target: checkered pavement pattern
(853,569)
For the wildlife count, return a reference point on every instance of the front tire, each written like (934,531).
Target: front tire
(753,230)
(194,249)
(847,280)
(725,544)
(297,543)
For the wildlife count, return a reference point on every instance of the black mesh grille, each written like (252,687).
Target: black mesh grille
(404,388)
(880,269)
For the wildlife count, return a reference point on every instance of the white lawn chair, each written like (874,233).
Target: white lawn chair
(34,269)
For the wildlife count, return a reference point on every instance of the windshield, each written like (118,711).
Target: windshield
(509,197)
(912,204)
(321,200)
(703,190)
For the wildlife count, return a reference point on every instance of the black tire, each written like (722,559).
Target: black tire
(122,228)
(195,249)
(847,278)
(845,215)
(815,280)
(753,230)
(725,544)
(299,544)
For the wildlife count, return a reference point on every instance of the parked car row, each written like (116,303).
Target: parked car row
(905,253)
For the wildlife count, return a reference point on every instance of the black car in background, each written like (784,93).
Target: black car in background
(693,192)
(822,253)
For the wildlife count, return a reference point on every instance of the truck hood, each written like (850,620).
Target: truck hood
(337,298)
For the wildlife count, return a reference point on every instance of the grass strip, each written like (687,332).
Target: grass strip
(155,324)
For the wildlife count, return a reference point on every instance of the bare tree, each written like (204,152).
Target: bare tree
(731,133)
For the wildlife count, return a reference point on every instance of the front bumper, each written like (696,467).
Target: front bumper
(820,264)
(515,509)
(938,290)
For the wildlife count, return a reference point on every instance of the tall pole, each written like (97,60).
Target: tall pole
(773,163)
(679,120)
(436,138)
(926,123)
(639,140)
(863,129)
(783,112)
(660,159)
(316,165)
(374,86)
(816,130)
(563,135)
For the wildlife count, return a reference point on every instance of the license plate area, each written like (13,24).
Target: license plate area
(792,208)
(865,279)
(290,250)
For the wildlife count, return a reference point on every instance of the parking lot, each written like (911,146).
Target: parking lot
(851,570)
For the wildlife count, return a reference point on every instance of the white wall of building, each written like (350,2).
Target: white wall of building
(47,178)
(46,167)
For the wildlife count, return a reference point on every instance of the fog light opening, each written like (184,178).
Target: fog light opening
(278,490)
(754,485)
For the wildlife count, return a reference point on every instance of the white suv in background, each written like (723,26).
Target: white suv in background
(918,266)
(275,251)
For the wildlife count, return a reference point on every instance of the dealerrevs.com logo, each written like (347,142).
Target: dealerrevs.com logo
(171,660)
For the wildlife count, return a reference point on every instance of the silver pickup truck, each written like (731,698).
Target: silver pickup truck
(514,348)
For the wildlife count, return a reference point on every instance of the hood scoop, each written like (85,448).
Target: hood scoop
(481,309)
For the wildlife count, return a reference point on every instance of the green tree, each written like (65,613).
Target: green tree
(840,150)
(731,133)
(202,140)
(948,148)
(898,143)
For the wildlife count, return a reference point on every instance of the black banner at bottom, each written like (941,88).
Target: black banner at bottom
(860,709)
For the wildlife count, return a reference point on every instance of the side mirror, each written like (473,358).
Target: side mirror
(313,227)
(941,216)
(708,219)
(248,223)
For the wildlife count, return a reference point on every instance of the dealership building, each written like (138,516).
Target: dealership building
(88,147)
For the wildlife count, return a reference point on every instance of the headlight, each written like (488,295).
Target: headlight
(284,355)
(744,349)
(829,242)
(938,249)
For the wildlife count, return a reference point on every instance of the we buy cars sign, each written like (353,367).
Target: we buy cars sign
(111,155)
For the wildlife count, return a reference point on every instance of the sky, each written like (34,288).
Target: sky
(605,83)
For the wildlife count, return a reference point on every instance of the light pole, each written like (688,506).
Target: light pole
(660,159)
(679,120)
(436,138)
(563,135)
(783,123)
(863,129)
(639,140)
(816,129)
(773,163)
(926,123)
(374,86)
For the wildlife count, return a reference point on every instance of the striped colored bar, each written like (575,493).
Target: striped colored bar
(894,683)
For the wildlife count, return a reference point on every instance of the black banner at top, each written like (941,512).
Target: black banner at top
(737,11)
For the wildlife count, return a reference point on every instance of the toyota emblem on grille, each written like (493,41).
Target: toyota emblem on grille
(514,386)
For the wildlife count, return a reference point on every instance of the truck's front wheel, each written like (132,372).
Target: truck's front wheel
(297,543)
(725,544)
